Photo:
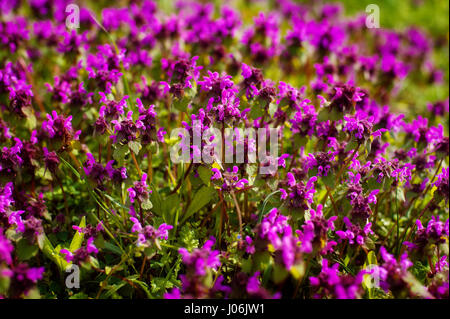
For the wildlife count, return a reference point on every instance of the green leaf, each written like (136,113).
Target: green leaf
(74,171)
(261,260)
(246,265)
(160,284)
(329,180)
(272,183)
(298,271)
(351,145)
(367,281)
(335,115)
(372,184)
(94,262)
(120,152)
(80,295)
(368,145)
(77,239)
(256,112)
(141,284)
(147,205)
(135,146)
(272,109)
(201,198)
(323,115)
(113,248)
(264,205)
(279,273)
(24,250)
(369,244)
(4,284)
(33,294)
(329,114)
(157,201)
(252,172)
(252,169)
(113,200)
(181,104)
(112,289)
(169,205)
(30,118)
(284,101)
(300,141)
(400,194)
(205,174)
(191,92)
(47,248)
(99,242)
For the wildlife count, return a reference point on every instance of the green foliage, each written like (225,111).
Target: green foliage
(202,197)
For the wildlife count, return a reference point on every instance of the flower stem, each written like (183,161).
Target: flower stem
(180,182)
(239,213)
(136,163)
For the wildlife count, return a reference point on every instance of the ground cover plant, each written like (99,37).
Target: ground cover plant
(93,203)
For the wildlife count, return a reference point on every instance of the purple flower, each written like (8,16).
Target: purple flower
(72,42)
(160,134)
(354,233)
(255,290)
(57,126)
(174,294)
(104,67)
(439,108)
(360,206)
(304,121)
(442,183)
(150,93)
(10,161)
(435,233)
(149,233)
(90,247)
(7,212)
(126,130)
(82,254)
(298,194)
(394,67)
(51,160)
(215,84)
(68,255)
(361,127)
(224,107)
(199,264)
(330,283)
(201,259)
(275,230)
(117,175)
(13,33)
(230,177)
(6,248)
(314,233)
(250,248)
(393,274)
(23,279)
(216,173)
(140,190)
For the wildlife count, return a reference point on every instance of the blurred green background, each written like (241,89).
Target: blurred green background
(431,16)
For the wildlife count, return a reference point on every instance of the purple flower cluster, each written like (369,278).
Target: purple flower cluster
(86,117)
(199,263)
(22,277)
(330,283)
(148,233)
(98,173)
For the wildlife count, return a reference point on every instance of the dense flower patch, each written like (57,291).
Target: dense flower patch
(356,207)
